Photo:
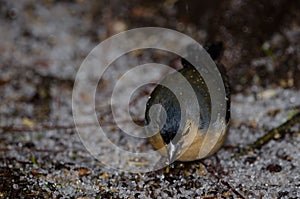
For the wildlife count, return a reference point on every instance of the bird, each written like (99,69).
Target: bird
(188,145)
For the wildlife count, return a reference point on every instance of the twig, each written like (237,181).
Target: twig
(36,150)
(44,127)
(280,130)
(216,175)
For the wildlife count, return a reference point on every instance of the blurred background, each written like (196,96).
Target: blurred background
(260,38)
(42,44)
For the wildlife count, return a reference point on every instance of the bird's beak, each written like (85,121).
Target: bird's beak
(172,150)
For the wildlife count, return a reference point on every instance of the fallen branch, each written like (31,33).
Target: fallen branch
(274,133)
